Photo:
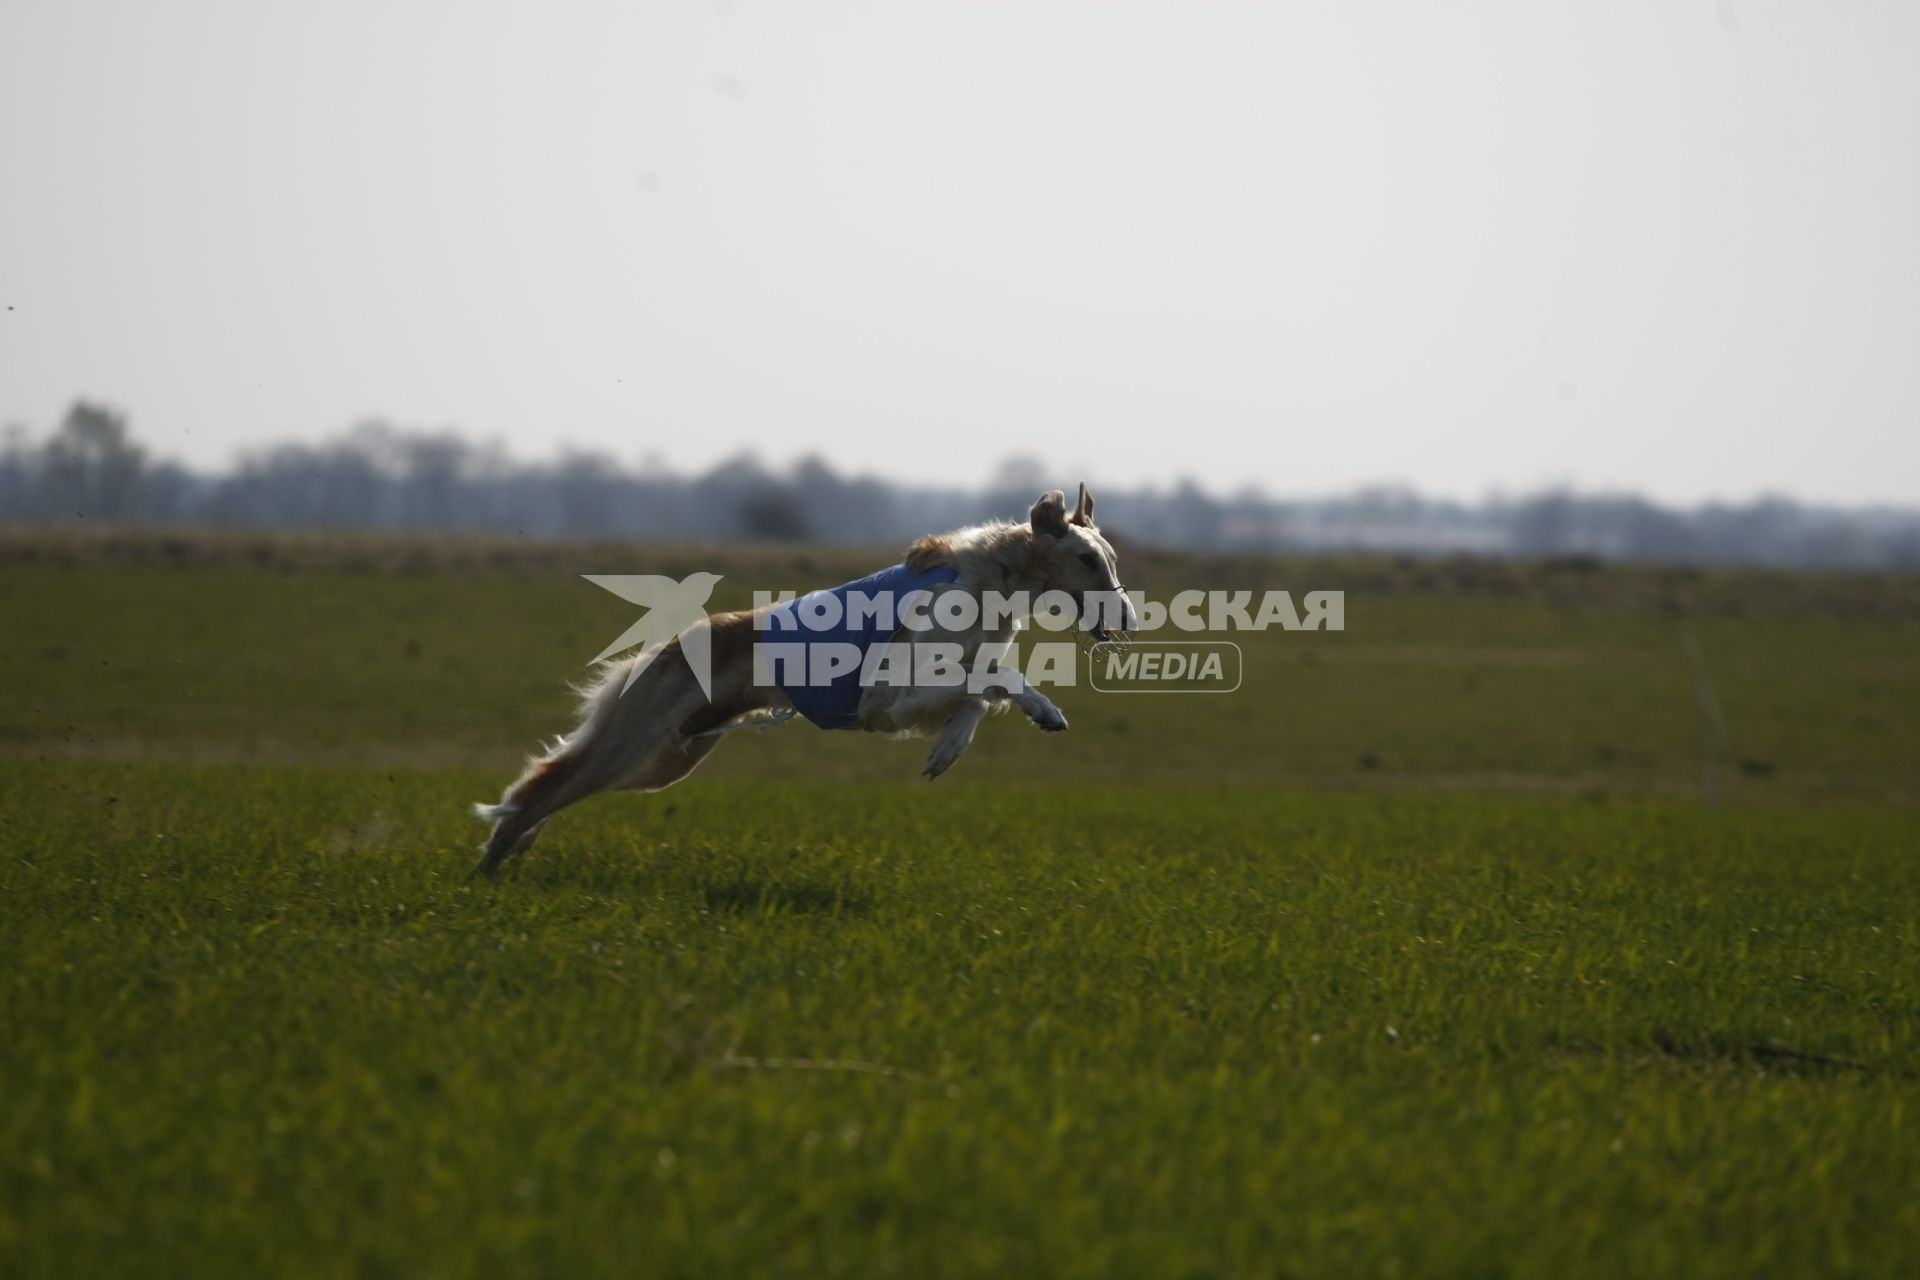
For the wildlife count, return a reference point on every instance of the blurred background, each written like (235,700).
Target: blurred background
(1633,281)
(1559,915)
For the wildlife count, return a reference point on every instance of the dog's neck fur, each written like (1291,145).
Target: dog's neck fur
(997,556)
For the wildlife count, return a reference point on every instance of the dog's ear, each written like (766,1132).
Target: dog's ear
(1083,509)
(1050,514)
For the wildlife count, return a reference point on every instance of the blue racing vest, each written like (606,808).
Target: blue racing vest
(837,705)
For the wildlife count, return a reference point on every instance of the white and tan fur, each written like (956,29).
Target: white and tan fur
(658,730)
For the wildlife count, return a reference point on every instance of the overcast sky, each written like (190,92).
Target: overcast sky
(1671,246)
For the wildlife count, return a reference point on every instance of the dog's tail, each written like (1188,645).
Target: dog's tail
(601,694)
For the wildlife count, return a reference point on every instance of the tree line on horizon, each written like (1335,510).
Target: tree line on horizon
(380,477)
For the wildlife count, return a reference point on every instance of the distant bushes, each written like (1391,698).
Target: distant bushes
(381,477)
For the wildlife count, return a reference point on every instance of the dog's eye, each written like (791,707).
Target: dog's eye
(1089,559)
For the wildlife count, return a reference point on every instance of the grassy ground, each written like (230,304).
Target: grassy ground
(1421,955)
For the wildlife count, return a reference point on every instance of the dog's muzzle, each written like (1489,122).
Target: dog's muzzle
(1114,617)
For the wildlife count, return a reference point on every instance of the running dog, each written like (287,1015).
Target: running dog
(646,722)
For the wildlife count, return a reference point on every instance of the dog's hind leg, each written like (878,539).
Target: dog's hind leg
(675,759)
(548,786)
(641,738)
(596,757)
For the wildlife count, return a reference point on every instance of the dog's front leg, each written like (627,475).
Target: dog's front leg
(956,737)
(1039,708)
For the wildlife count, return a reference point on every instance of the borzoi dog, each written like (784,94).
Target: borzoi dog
(645,729)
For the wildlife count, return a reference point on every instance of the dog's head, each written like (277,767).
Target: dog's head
(1071,556)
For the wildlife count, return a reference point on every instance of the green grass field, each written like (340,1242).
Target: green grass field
(1423,954)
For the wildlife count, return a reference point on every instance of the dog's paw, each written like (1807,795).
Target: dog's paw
(1052,719)
(940,761)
